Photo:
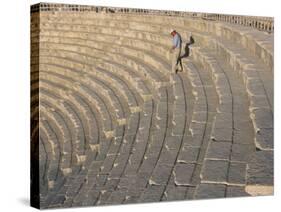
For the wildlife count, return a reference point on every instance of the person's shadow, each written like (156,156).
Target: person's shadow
(186,52)
(187,48)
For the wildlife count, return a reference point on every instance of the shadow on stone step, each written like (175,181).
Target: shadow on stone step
(187,48)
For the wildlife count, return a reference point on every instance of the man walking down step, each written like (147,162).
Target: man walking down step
(176,51)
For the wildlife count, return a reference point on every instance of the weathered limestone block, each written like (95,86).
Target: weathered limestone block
(223,120)
(207,191)
(161,174)
(178,124)
(183,174)
(243,136)
(197,128)
(221,134)
(242,152)
(214,171)
(262,118)
(174,192)
(152,193)
(237,173)
(249,73)
(260,169)
(258,102)
(255,87)
(168,157)
(199,117)
(224,106)
(264,139)
(188,154)
(236,191)
(179,109)
(219,150)
(173,142)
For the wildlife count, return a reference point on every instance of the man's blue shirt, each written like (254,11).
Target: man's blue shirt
(177,41)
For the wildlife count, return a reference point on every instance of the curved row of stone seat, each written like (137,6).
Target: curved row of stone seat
(104,92)
(52,146)
(81,158)
(94,72)
(259,43)
(174,121)
(103,143)
(216,155)
(260,92)
(118,65)
(119,164)
(89,47)
(146,114)
(173,158)
(256,42)
(108,192)
(59,126)
(135,165)
(43,163)
(110,98)
(241,61)
(162,145)
(71,150)
(224,120)
(94,146)
(112,168)
(241,151)
(151,154)
(223,126)
(34,101)
(77,124)
(81,81)
(62,168)
(203,119)
(109,119)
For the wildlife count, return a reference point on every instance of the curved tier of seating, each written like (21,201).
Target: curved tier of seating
(118,127)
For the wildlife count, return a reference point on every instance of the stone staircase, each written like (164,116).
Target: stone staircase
(117,127)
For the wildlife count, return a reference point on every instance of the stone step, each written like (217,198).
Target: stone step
(152,140)
(53,146)
(260,96)
(250,39)
(257,76)
(115,68)
(225,151)
(100,104)
(223,123)
(81,120)
(106,92)
(84,45)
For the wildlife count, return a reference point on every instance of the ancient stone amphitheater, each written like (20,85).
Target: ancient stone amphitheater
(112,125)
